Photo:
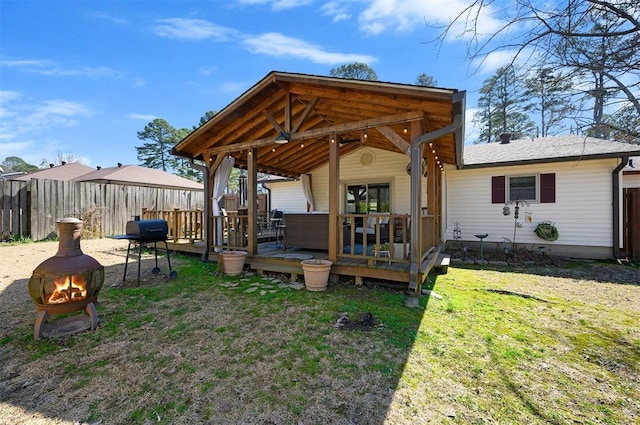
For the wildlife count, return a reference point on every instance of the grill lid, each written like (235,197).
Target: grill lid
(147,230)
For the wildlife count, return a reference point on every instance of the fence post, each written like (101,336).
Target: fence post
(176,224)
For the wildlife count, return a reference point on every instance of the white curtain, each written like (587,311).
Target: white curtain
(220,181)
(306,189)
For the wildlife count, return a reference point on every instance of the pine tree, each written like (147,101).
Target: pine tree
(156,153)
(354,70)
(502,107)
(549,95)
(426,80)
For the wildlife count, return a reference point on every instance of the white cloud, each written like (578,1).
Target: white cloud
(337,10)
(192,29)
(50,68)
(22,118)
(143,117)
(406,15)
(279,45)
(494,60)
(51,113)
(12,148)
(112,19)
(276,4)
(139,82)
(208,71)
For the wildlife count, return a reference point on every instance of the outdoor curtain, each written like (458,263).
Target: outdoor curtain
(306,189)
(220,181)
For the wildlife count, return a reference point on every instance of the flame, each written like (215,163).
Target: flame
(68,289)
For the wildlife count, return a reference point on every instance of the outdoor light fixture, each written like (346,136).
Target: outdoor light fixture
(283,138)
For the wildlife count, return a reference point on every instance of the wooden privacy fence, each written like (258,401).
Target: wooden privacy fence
(30,209)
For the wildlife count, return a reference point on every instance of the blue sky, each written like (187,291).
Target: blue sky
(81,78)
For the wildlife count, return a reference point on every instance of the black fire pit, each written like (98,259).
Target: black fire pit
(143,232)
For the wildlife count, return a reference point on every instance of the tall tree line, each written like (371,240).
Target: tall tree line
(594,44)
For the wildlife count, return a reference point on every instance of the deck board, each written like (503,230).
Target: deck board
(269,259)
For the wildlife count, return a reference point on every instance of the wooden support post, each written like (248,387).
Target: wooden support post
(252,201)
(334,193)
(176,224)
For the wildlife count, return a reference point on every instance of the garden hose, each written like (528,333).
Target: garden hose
(546,230)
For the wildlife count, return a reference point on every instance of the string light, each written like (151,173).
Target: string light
(302,144)
(405,129)
(273,149)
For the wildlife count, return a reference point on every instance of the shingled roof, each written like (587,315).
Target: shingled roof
(139,176)
(307,111)
(63,172)
(545,150)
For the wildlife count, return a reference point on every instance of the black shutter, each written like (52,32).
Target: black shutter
(548,188)
(498,188)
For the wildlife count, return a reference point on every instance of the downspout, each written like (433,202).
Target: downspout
(616,206)
(207,205)
(416,175)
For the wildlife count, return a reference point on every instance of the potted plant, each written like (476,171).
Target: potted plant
(316,274)
(232,262)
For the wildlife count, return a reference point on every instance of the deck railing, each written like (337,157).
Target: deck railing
(184,225)
(386,238)
(232,233)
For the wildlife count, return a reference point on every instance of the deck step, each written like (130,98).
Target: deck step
(442,265)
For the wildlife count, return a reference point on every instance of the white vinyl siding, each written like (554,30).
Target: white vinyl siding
(387,167)
(288,197)
(582,212)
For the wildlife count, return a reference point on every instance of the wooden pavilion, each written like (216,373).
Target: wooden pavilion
(295,124)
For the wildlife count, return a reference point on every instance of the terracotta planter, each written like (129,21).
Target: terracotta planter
(232,262)
(316,274)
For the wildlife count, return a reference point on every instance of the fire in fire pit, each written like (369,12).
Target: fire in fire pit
(65,283)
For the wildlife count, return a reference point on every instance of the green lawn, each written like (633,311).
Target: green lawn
(498,347)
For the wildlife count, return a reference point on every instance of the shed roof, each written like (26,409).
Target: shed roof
(139,176)
(544,150)
(63,172)
(312,110)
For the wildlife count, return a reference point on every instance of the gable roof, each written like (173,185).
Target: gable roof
(312,110)
(545,150)
(139,176)
(63,172)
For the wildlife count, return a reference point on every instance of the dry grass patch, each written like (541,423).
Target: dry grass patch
(210,349)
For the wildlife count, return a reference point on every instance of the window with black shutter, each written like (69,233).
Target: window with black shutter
(498,189)
(532,188)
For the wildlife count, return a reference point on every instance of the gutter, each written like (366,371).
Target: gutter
(616,205)
(416,157)
(207,205)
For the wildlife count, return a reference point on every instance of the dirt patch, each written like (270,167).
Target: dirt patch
(17,262)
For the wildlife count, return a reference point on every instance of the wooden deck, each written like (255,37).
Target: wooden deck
(272,258)
(186,235)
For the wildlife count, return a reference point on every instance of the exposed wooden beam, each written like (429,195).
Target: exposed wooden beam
(305,114)
(324,131)
(273,121)
(394,138)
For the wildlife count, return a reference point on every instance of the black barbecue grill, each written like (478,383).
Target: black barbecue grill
(143,232)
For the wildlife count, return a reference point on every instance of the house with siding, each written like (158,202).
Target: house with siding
(360,149)
(584,188)
(364,167)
